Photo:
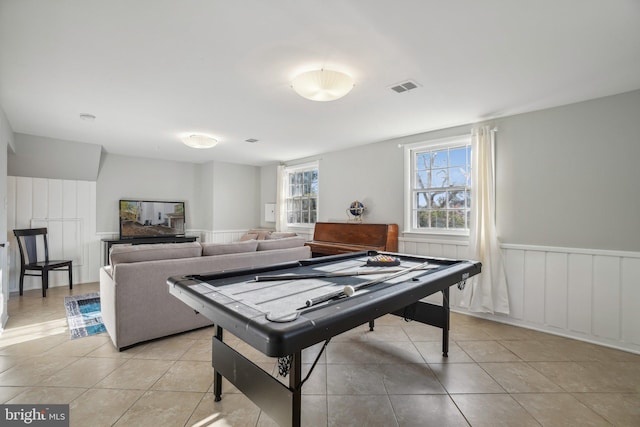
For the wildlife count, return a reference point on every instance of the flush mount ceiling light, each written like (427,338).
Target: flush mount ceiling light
(322,85)
(199,141)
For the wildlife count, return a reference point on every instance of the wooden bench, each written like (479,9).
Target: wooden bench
(331,238)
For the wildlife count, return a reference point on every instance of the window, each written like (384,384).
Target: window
(439,189)
(301,194)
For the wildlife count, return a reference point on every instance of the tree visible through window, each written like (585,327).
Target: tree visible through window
(441,186)
(302,195)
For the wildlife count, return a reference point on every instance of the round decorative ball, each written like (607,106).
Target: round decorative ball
(356,208)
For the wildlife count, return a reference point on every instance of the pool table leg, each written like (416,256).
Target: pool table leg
(445,321)
(295,385)
(217,377)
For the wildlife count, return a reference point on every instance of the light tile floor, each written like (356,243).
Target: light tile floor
(496,375)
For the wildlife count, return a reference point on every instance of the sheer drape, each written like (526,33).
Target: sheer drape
(488,291)
(281,209)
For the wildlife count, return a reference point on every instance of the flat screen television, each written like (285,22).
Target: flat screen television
(144,219)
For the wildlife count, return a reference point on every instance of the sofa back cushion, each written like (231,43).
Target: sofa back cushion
(279,235)
(256,234)
(209,249)
(249,236)
(284,243)
(139,253)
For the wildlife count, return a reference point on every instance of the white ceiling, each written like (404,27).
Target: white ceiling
(152,71)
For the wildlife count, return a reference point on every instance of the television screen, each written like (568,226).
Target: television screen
(141,218)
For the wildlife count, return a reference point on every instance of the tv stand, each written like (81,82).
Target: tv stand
(143,240)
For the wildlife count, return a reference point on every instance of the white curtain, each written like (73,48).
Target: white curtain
(487,292)
(281,209)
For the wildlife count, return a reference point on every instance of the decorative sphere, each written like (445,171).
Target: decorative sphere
(356,208)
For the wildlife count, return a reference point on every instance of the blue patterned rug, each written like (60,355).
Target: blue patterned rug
(83,315)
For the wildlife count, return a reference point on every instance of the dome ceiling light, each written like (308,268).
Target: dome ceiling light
(322,85)
(199,141)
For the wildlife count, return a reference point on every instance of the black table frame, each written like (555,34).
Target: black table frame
(283,403)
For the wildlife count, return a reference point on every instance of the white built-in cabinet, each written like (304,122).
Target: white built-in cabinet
(68,209)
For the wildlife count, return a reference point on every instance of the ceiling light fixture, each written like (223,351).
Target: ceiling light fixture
(199,141)
(322,85)
(87,117)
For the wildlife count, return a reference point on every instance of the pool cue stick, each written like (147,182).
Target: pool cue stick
(336,294)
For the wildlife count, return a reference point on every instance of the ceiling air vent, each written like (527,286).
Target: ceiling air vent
(404,86)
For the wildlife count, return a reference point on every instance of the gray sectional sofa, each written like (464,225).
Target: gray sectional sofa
(135,301)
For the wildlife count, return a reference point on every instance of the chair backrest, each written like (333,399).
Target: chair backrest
(27,243)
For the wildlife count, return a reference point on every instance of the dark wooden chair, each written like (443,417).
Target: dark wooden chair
(27,243)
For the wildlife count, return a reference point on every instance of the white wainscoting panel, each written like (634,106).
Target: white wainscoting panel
(606,297)
(587,294)
(68,210)
(65,238)
(514,269)
(630,297)
(579,286)
(555,304)
(534,287)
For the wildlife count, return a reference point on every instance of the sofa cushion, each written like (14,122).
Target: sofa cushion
(257,234)
(209,249)
(284,243)
(249,236)
(138,253)
(279,235)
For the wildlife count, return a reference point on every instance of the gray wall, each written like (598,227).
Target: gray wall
(218,196)
(566,176)
(236,196)
(40,157)
(123,177)
(569,176)
(268,194)
(204,194)
(209,189)
(372,174)
(6,142)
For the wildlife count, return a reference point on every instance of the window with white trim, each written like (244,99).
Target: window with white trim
(439,185)
(301,194)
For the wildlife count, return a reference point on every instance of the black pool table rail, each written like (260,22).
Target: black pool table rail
(314,324)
